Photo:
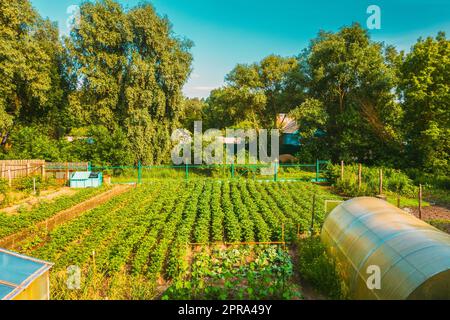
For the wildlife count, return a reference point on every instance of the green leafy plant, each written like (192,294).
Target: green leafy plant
(319,269)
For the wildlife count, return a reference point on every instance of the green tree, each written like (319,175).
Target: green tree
(32,142)
(350,80)
(425,89)
(193,110)
(254,93)
(131,70)
(32,89)
(102,147)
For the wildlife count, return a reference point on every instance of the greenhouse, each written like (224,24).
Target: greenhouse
(23,278)
(412,256)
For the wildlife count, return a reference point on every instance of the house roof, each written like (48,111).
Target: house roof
(17,272)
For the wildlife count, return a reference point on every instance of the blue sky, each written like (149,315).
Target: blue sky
(227,32)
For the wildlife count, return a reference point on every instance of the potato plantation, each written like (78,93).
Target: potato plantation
(175,239)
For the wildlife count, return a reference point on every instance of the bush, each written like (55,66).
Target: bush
(319,269)
(393,181)
(4,189)
(26,184)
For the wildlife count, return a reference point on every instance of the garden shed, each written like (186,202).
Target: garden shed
(23,278)
(86,179)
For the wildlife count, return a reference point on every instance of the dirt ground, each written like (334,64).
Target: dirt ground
(29,202)
(431,213)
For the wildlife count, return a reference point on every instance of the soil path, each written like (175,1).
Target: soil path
(33,200)
(10,241)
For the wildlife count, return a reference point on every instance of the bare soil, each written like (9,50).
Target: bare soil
(29,202)
(432,213)
(11,241)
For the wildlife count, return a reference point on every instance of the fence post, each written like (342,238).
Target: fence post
(232,170)
(43,171)
(313,214)
(67,171)
(420,201)
(275,174)
(9,178)
(381,181)
(359,176)
(342,170)
(317,170)
(139,172)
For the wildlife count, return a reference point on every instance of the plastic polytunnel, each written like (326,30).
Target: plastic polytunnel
(22,277)
(411,256)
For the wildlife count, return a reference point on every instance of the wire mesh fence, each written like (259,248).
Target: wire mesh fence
(264,172)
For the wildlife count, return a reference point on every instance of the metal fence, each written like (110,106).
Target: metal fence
(264,172)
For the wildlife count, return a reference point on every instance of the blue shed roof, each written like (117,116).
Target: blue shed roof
(81,175)
(17,272)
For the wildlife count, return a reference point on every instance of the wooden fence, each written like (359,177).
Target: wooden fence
(15,169)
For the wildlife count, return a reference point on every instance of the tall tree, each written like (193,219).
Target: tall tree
(255,93)
(32,88)
(351,82)
(425,89)
(131,70)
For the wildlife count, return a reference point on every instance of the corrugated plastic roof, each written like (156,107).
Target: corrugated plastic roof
(413,257)
(81,175)
(18,271)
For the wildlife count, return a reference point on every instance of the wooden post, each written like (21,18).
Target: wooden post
(9,178)
(342,170)
(43,171)
(420,201)
(381,182)
(313,214)
(34,185)
(67,171)
(359,176)
(93,261)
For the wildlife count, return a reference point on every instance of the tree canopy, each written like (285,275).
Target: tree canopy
(115,85)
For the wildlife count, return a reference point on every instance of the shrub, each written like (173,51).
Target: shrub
(4,189)
(393,181)
(319,269)
(26,184)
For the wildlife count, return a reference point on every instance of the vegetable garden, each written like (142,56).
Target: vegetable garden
(180,239)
